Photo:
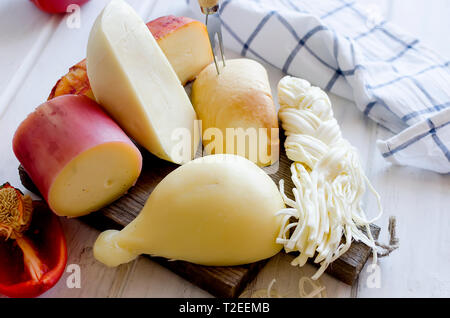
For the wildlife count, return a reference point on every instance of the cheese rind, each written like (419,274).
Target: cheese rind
(185,43)
(77,156)
(74,82)
(217,210)
(133,80)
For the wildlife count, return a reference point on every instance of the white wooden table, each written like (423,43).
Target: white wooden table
(37,48)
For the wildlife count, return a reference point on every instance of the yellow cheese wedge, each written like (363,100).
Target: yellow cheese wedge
(185,42)
(216,210)
(133,80)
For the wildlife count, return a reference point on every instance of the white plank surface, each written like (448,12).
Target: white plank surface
(36,49)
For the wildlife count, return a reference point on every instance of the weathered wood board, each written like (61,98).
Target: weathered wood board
(219,281)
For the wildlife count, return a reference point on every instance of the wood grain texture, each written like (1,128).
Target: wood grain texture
(219,281)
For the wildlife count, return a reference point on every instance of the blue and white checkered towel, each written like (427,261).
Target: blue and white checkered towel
(342,48)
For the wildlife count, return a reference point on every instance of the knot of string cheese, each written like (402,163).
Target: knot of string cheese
(328,178)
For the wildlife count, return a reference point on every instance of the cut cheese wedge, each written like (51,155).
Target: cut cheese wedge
(185,43)
(76,155)
(133,80)
(96,177)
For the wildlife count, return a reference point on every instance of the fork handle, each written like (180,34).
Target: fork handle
(209,6)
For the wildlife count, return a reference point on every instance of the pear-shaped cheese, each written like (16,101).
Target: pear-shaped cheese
(216,210)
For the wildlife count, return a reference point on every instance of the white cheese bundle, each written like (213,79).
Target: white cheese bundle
(328,177)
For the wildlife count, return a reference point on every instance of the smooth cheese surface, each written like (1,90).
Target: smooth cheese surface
(110,253)
(218,210)
(133,80)
(239,98)
(94,179)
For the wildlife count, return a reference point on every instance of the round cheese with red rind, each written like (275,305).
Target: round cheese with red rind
(77,156)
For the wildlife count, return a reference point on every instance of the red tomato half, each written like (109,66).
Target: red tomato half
(56,6)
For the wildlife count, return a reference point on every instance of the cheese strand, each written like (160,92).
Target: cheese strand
(328,177)
(317,290)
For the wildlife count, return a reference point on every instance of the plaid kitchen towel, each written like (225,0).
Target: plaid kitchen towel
(344,49)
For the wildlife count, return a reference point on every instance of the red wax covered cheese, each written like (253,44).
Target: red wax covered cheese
(77,156)
(185,43)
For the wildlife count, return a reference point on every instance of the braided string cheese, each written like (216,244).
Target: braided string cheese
(328,177)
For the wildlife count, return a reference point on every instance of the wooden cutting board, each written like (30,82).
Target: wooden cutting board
(226,282)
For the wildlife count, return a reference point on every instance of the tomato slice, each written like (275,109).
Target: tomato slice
(56,6)
(46,238)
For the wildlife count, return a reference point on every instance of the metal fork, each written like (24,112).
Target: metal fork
(210,8)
